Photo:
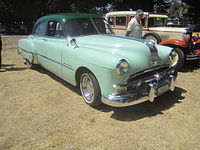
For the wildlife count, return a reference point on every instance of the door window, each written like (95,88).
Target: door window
(121,21)
(157,22)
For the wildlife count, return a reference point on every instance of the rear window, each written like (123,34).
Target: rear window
(121,21)
(157,22)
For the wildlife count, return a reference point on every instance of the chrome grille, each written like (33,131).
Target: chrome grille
(148,74)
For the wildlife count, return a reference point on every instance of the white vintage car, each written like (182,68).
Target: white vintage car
(154,25)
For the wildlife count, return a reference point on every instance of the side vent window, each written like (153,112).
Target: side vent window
(40,30)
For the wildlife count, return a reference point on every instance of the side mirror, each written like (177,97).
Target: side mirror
(74,43)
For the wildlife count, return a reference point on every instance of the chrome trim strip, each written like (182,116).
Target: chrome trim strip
(25,50)
(62,64)
(67,66)
(37,54)
(49,58)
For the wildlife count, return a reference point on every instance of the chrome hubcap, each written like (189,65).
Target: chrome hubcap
(175,60)
(87,88)
(28,63)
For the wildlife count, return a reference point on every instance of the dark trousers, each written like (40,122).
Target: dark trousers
(0,51)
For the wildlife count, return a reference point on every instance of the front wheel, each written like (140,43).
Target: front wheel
(180,59)
(29,64)
(90,89)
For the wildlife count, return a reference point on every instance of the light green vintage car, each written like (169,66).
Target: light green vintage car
(83,50)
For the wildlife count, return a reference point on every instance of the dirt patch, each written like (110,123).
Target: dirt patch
(38,110)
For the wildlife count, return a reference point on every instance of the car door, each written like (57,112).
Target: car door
(69,54)
(38,38)
(54,42)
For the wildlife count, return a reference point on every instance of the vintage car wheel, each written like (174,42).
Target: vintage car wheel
(152,36)
(90,89)
(180,60)
(29,64)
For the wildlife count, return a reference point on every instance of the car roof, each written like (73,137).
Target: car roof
(122,13)
(153,15)
(66,16)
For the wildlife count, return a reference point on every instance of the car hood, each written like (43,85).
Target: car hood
(135,51)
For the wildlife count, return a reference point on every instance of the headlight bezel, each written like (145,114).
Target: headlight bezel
(122,67)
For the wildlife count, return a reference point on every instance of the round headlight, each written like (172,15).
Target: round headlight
(173,56)
(122,67)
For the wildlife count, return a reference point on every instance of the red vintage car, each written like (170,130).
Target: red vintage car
(188,48)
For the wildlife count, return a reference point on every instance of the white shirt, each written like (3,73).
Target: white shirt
(135,28)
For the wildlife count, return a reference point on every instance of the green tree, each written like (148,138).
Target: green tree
(178,10)
(58,6)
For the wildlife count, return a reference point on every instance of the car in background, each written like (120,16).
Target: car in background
(155,26)
(83,50)
(16,27)
(188,48)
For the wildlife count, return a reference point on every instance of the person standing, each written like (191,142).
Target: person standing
(135,25)
(0,44)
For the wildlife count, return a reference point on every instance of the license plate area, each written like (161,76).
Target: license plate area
(162,89)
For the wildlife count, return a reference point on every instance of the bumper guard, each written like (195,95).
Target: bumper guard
(135,98)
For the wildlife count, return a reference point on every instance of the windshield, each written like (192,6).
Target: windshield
(157,22)
(87,26)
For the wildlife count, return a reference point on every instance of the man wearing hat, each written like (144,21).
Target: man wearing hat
(135,25)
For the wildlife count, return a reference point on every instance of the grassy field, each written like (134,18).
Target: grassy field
(40,111)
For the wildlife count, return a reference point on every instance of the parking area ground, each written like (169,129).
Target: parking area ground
(38,110)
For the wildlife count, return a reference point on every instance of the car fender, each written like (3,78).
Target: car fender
(26,49)
(102,65)
(176,42)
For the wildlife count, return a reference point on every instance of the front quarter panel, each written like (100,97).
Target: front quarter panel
(101,64)
(163,53)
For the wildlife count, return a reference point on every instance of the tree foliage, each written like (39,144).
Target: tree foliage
(178,10)
(29,11)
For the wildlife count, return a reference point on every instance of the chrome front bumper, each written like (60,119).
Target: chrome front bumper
(135,98)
